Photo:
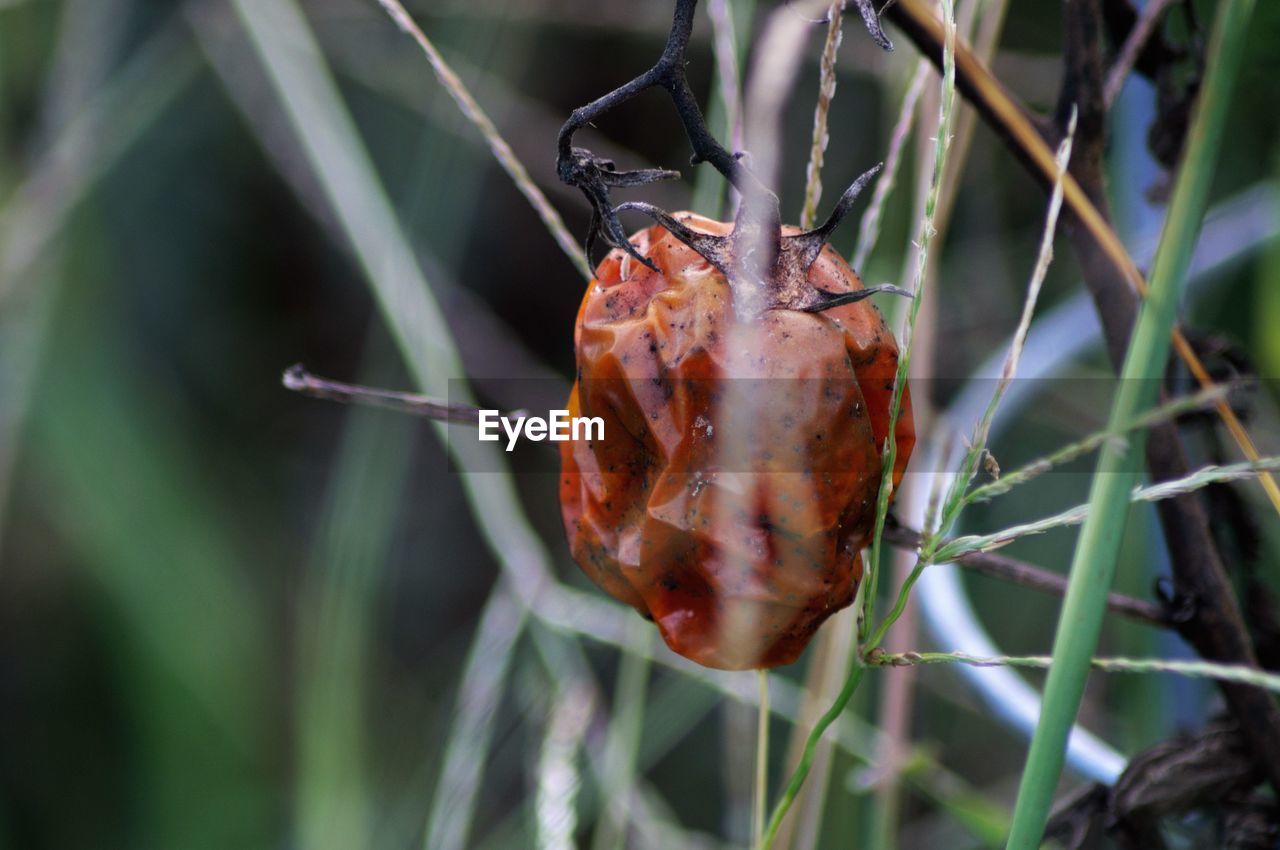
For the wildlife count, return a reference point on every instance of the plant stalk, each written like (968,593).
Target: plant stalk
(1094,562)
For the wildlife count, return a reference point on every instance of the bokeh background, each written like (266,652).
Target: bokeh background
(231,616)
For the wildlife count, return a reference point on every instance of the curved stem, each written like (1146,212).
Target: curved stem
(579,167)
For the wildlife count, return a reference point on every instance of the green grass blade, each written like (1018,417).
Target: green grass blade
(147,523)
(559,775)
(471,732)
(339,158)
(869,227)
(501,150)
(1195,669)
(731,22)
(1094,563)
(332,807)
(1189,483)
(626,726)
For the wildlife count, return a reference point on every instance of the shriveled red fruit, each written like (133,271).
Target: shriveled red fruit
(737,563)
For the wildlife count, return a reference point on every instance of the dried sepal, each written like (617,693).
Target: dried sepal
(871,19)
(716,250)
(778,279)
(824,300)
(813,240)
(595,176)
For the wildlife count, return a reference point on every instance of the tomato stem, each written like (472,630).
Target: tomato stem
(595,176)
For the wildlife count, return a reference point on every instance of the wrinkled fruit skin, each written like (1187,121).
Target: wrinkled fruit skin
(738,563)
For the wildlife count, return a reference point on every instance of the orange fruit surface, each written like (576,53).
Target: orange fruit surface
(736,481)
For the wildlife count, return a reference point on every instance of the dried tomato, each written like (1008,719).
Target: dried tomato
(737,565)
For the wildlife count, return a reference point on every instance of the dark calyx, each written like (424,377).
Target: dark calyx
(766,269)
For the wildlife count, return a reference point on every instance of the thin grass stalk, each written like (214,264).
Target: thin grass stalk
(827,664)
(867,587)
(728,53)
(671,711)
(776,63)
(558,777)
(378,243)
(853,678)
(942,145)
(1195,669)
(955,500)
(1205,476)
(725,113)
(622,746)
(808,216)
(507,105)
(501,150)
(296,68)
(1163,413)
(895,716)
(899,604)
(332,800)
(294,65)
(1196,480)
(337,157)
(1094,563)
(932,517)
(1138,38)
(869,228)
(896,695)
(821,110)
(484,675)
(762,762)
(97,137)
(986,16)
